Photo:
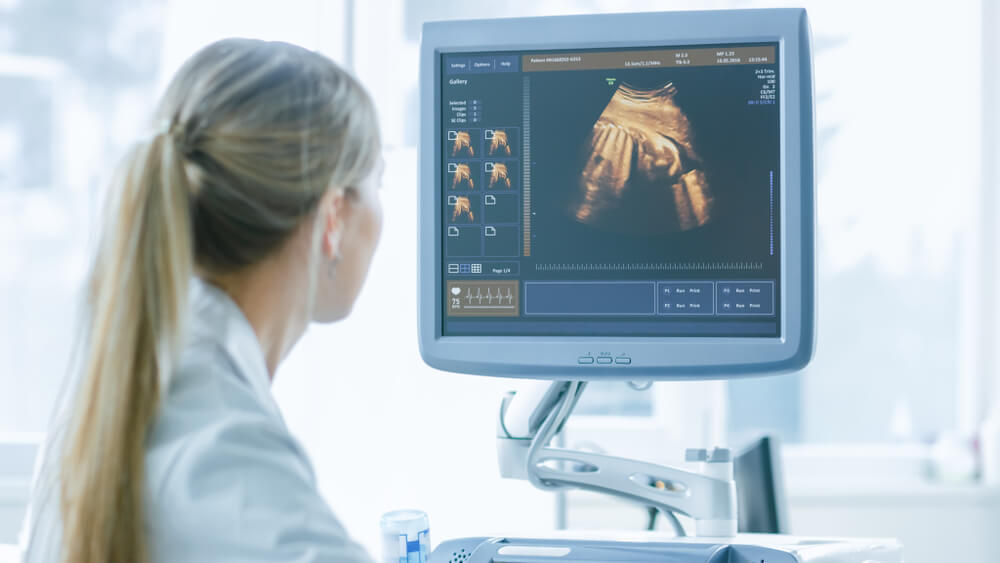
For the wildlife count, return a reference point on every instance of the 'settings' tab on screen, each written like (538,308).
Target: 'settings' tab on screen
(457,65)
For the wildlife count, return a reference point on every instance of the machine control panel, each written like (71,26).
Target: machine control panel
(604,359)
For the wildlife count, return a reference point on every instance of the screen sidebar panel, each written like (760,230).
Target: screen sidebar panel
(618,192)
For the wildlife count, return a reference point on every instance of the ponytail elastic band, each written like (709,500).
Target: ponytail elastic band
(167,127)
(162,127)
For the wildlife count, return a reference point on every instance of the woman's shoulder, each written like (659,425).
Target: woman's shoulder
(207,383)
(224,474)
(209,405)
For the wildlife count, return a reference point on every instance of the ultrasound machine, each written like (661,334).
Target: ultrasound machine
(620,197)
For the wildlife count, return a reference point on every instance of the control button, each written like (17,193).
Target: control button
(509,63)
(457,65)
(745,298)
(624,360)
(604,360)
(585,360)
(687,298)
(481,64)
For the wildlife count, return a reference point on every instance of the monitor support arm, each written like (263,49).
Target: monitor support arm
(530,419)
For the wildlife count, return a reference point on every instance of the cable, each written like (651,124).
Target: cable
(671,518)
(675,523)
(550,426)
(548,429)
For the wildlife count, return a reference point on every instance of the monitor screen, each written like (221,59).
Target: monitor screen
(611,192)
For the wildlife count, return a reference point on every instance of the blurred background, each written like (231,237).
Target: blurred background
(882,433)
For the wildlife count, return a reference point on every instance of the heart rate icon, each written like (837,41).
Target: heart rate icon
(456,290)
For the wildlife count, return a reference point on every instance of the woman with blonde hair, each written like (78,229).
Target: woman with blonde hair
(251,211)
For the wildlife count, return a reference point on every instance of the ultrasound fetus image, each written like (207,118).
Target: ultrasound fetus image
(640,156)
(461,177)
(462,211)
(499,178)
(461,145)
(499,144)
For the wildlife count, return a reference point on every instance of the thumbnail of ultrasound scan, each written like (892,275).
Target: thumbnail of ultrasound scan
(498,143)
(499,177)
(463,143)
(461,176)
(462,211)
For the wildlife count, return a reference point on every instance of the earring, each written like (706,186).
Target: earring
(331,269)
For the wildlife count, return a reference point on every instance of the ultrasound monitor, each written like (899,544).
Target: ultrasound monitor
(617,196)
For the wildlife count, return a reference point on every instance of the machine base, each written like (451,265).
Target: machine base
(639,547)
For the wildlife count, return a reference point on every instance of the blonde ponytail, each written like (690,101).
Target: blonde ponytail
(256,132)
(138,293)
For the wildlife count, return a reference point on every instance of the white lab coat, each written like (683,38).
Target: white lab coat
(225,481)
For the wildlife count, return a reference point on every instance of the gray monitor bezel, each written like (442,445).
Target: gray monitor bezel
(652,358)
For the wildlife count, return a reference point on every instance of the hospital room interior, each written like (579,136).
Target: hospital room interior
(751,246)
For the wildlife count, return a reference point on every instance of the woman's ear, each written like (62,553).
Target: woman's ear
(333,208)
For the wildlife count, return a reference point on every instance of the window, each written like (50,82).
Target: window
(899,228)
(76,84)
(69,104)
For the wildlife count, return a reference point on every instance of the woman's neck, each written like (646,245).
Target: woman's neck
(271,301)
